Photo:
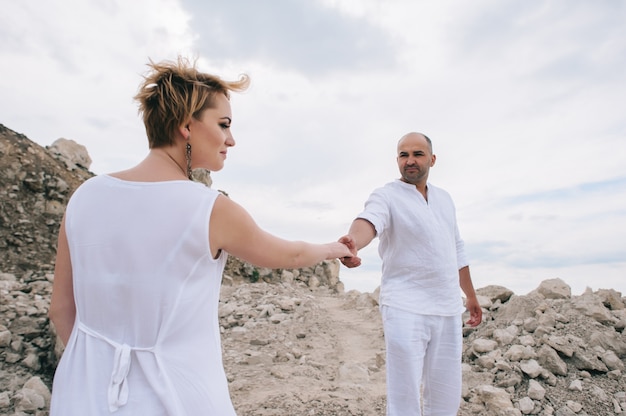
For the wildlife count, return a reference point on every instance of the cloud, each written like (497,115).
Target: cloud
(591,190)
(567,231)
(75,65)
(306,37)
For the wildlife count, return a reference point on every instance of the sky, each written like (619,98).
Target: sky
(525,102)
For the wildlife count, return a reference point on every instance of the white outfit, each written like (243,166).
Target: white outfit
(420,246)
(422,347)
(146,339)
(422,252)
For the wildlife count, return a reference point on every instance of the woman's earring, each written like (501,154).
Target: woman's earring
(188,157)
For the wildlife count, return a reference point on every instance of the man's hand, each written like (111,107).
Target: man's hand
(354,261)
(476,312)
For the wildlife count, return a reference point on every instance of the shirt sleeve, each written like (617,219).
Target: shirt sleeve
(461,256)
(462,259)
(376,211)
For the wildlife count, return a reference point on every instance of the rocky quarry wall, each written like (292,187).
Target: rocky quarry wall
(545,353)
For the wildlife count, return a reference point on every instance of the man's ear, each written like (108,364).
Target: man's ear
(432,162)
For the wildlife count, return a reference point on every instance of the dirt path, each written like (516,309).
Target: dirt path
(359,339)
(328,359)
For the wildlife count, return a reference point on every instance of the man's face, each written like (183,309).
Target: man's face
(414,159)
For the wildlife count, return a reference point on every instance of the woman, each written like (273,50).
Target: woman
(140,259)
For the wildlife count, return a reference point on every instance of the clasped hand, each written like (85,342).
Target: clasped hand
(354,260)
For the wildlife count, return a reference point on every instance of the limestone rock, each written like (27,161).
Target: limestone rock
(554,289)
(74,155)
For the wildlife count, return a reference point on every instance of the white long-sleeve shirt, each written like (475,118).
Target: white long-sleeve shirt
(420,247)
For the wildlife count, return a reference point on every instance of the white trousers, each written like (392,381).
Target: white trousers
(423,351)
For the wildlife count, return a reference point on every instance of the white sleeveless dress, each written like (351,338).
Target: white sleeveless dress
(146,340)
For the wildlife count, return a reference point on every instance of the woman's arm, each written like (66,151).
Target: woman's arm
(62,307)
(233,229)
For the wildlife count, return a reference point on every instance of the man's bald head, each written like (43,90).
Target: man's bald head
(416,136)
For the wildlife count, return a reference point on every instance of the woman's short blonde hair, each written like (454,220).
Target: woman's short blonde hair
(175,91)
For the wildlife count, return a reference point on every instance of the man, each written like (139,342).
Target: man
(424,264)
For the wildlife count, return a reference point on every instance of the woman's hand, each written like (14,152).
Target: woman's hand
(352,260)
